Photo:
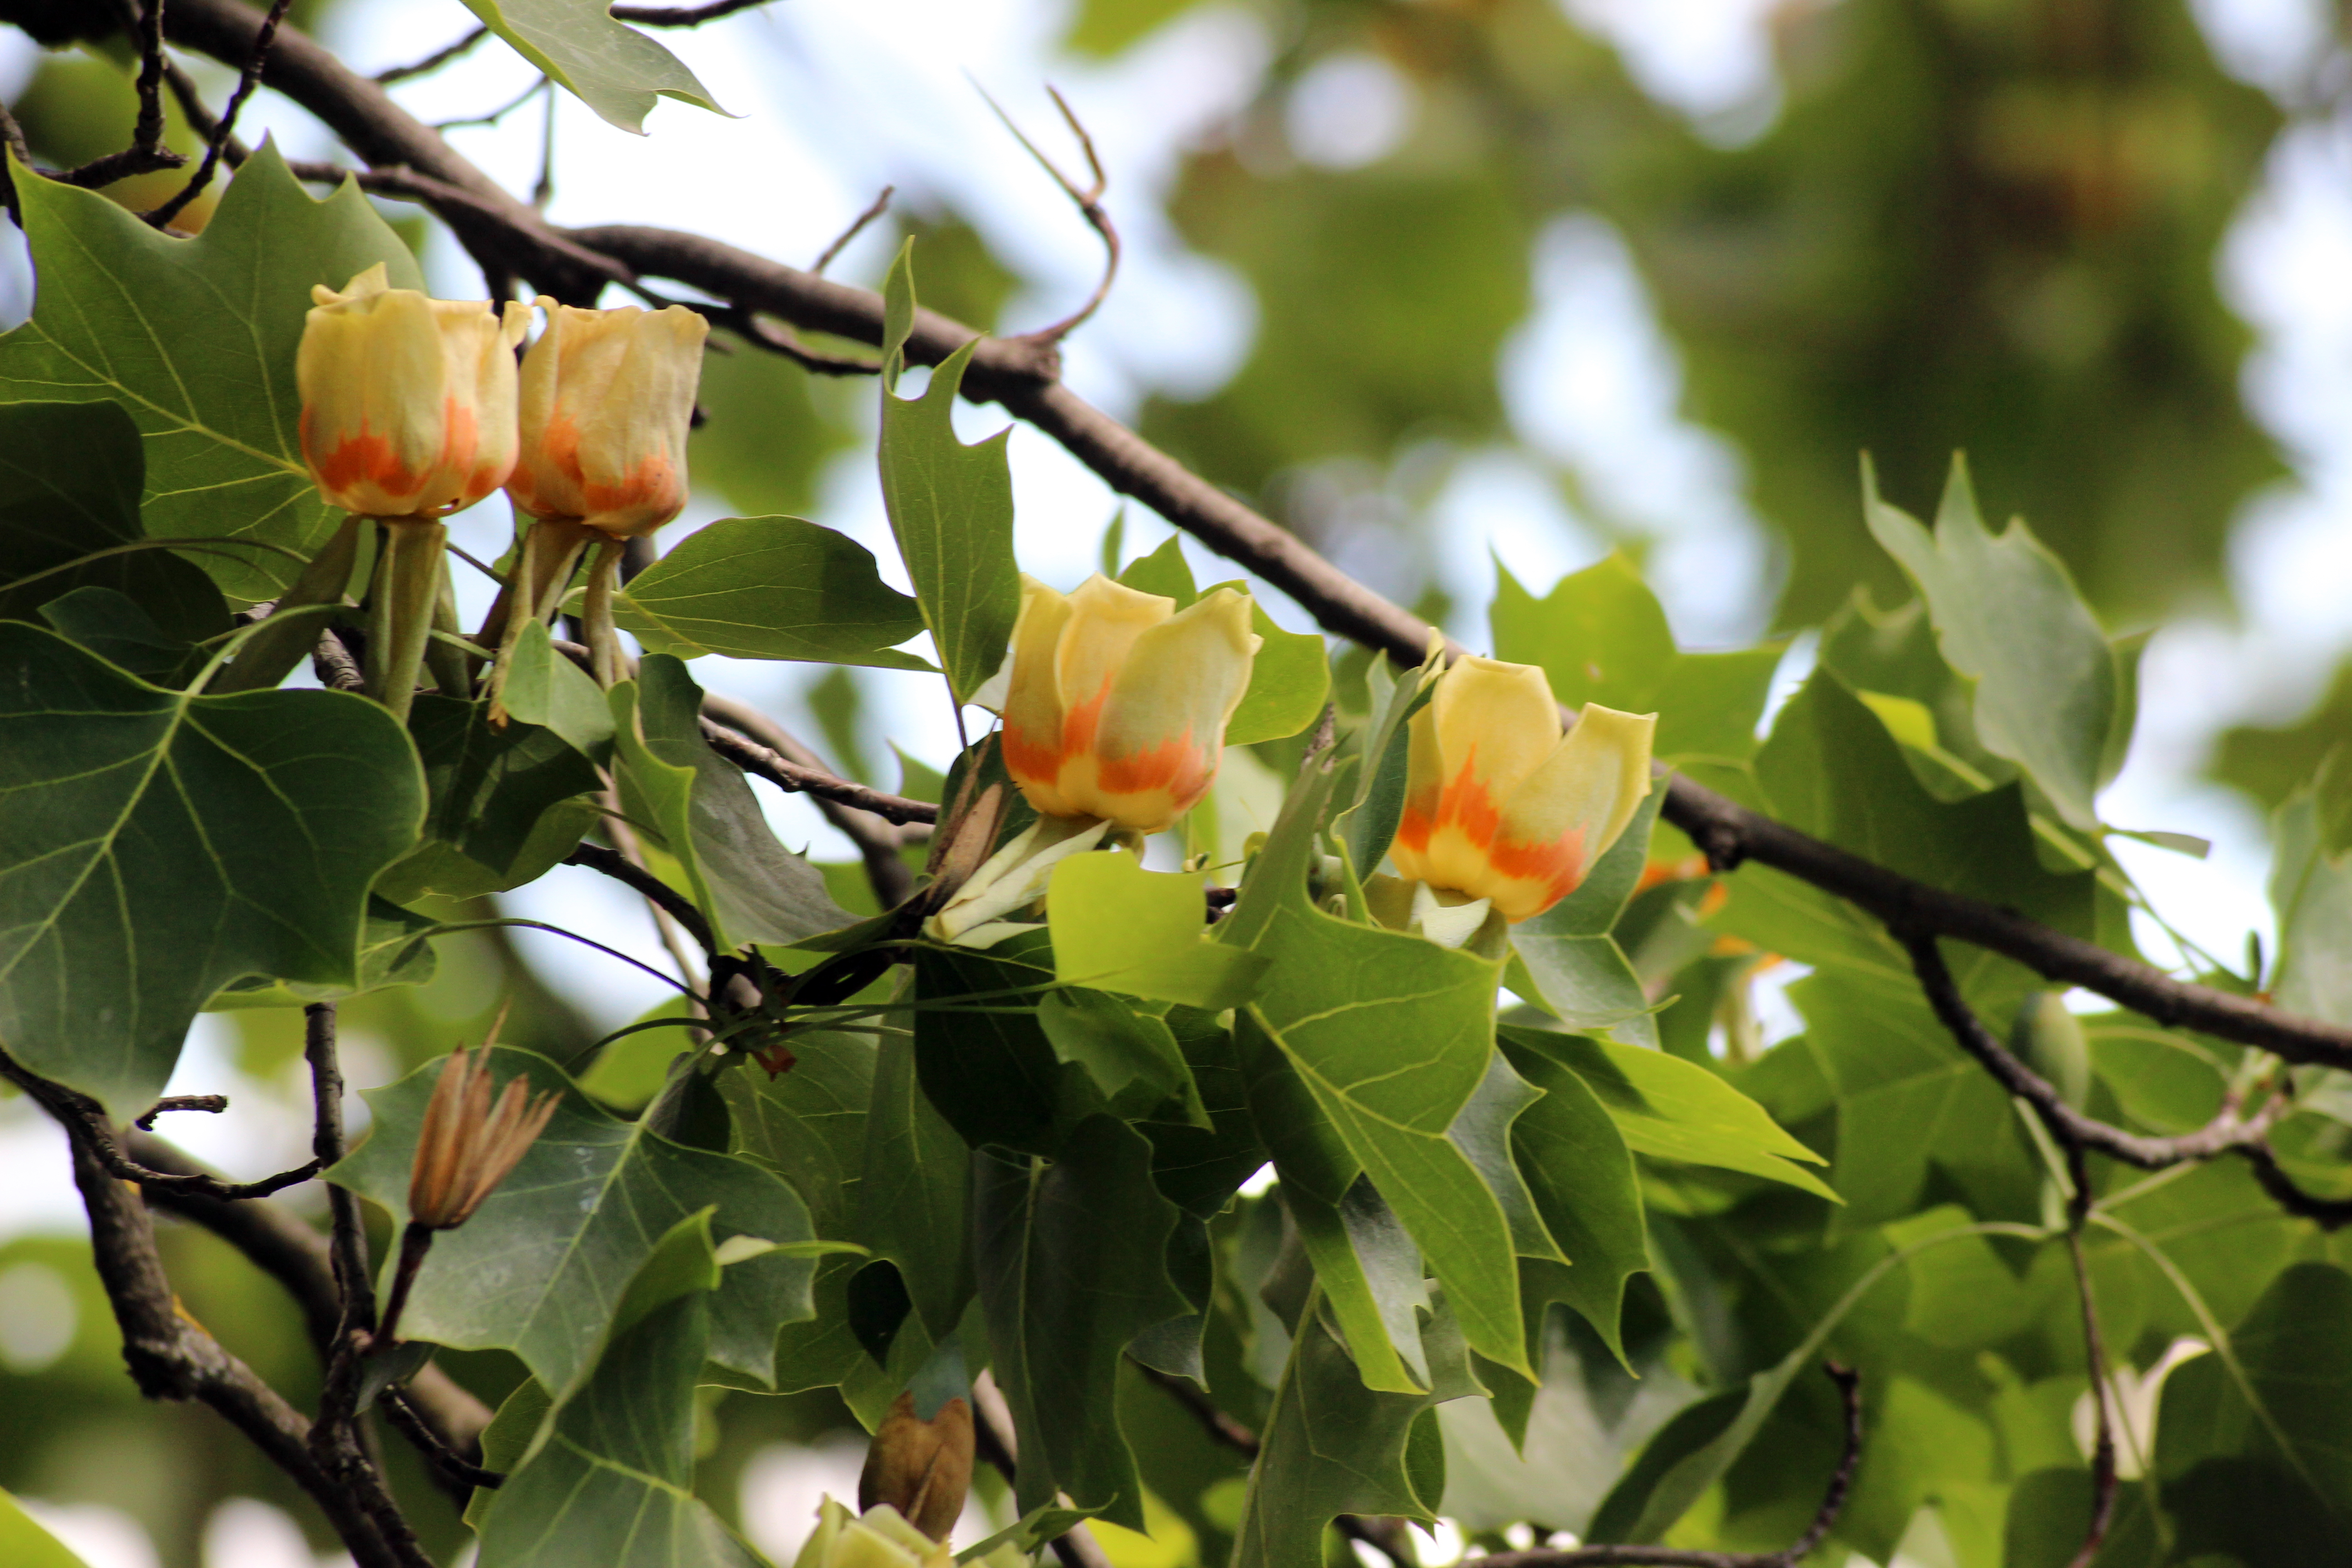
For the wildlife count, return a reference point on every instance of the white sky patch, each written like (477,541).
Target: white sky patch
(1348,110)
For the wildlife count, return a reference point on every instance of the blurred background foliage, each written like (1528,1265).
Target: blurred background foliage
(1993,224)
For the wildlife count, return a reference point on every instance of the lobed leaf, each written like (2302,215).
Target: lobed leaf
(771,587)
(616,70)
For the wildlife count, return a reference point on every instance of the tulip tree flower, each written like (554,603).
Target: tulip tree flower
(1118,702)
(879,1537)
(1500,805)
(408,413)
(605,400)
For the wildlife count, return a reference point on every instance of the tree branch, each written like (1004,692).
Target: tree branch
(681,15)
(86,1119)
(992,1423)
(225,131)
(171,1356)
(673,904)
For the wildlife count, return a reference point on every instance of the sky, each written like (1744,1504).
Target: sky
(837,97)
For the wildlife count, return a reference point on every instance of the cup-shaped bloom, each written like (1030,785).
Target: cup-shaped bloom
(408,403)
(879,1538)
(605,402)
(1117,701)
(1499,804)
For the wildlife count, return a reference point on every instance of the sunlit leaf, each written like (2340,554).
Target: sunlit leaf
(769,587)
(616,70)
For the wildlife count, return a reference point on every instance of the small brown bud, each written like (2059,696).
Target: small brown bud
(467,1144)
(922,1469)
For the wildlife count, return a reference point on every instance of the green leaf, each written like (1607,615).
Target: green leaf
(1289,681)
(988,1069)
(1390,1035)
(912,1195)
(1331,1446)
(1071,1262)
(1200,1167)
(1118,927)
(616,70)
(809,1124)
(2311,893)
(1601,638)
(546,688)
(117,629)
(69,479)
(1581,1173)
(2008,618)
(195,339)
(491,785)
(188,840)
(1372,1277)
(1130,1056)
(611,1477)
(395,949)
(951,505)
(1676,1110)
(543,1266)
(771,587)
(698,806)
(1580,975)
(2292,1352)
(26,1545)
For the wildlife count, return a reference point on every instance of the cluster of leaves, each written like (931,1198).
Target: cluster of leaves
(1553,1234)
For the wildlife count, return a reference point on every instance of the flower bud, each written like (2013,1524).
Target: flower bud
(1118,702)
(877,1539)
(408,403)
(605,400)
(1499,804)
(922,1469)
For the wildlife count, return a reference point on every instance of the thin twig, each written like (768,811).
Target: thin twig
(992,1422)
(200,119)
(433,61)
(248,79)
(211,1104)
(1088,203)
(454,1467)
(787,774)
(543,85)
(2102,1450)
(621,868)
(681,15)
(87,1119)
(841,241)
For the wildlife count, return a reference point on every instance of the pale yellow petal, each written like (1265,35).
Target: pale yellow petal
(1498,719)
(1032,738)
(1163,727)
(1590,787)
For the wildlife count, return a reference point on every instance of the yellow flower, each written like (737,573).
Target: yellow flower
(877,1538)
(1498,804)
(1118,703)
(408,403)
(605,402)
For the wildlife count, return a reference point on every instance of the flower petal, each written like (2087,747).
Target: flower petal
(1032,739)
(1163,729)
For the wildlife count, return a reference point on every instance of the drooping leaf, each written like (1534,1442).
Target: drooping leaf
(546,688)
(2292,1353)
(119,629)
(543,1266)
(614,69)
(1580,974)
(1129,1055)
(809,1124)
(912,1195)
(611,1476)
(395,949)
(1581,1173)
(1118,927)
(1676,1110)
(2007,616)
(491,785)
(190,840)
(1200,1167)
(951,505)
(990,1069)
(70,475)
(195,339)
(1071,1262)
(699,808)
(769,587)
(1390,1035)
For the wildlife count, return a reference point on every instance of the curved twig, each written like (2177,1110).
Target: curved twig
(86,1120)
(1088,203)
(225,131)
(671,903)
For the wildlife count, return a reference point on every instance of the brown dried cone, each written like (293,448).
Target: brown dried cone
(922,1469)
(464,1150)
(468,1145)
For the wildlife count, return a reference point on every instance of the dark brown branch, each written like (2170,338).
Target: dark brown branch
(2328,1214)
(458,1474)
(433,61)
(1228,1432)
(86,1119)
(354,1283)
(681,15)
(1022,376)
(201,119)
(2102,1447)
(248,79)
(210,1104)
(289,1251)
(1849,1385)
(800,778)
(621,868)
(171,1357)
